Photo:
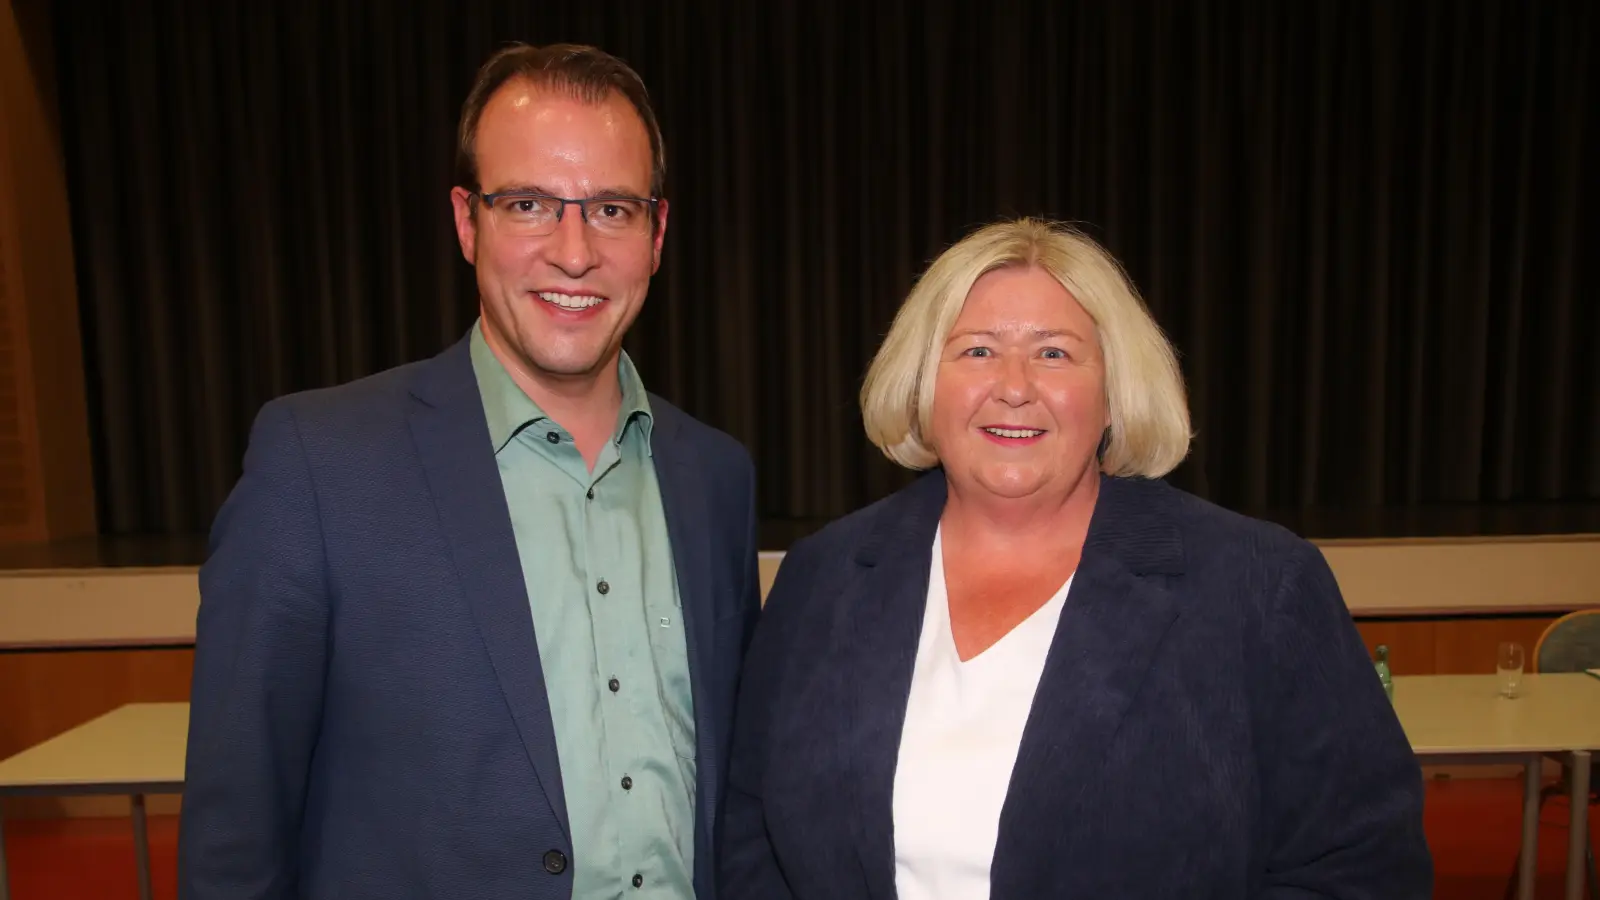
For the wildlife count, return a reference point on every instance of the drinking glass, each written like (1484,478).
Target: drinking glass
(1508,665)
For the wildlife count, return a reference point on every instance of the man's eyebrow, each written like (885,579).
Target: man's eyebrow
(619,194)
(521,189)
(602,194)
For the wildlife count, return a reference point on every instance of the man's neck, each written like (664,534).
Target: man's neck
(578,403)
(587,405)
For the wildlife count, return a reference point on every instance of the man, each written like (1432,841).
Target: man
(471,627)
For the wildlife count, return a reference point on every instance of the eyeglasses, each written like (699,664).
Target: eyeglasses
(531,214)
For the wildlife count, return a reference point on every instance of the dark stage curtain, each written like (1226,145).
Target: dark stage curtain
(1362,222)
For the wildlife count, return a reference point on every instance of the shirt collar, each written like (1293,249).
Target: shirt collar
(509,410)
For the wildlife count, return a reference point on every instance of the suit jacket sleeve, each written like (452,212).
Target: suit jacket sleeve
(256,699)
(1342,790)
(748,867)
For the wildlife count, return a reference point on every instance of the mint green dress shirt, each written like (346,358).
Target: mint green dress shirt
(598,567)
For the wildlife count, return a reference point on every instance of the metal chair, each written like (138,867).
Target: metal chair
(1569,644)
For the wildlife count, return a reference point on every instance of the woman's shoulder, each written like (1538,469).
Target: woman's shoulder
(1224,565)
(1203,524)
(1215,550)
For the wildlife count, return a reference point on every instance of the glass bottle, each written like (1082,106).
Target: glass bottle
(1384,676)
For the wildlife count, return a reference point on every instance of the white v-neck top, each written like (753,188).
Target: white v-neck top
(963,726)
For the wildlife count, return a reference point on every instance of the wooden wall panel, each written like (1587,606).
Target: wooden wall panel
(1462,646)
(21,512)
(1410,643)
(47,692)
(46,472)
(1469,646)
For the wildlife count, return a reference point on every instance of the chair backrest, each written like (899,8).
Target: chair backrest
(1570,643)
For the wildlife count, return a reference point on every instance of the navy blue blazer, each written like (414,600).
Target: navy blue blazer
(370,718)
(1207,725)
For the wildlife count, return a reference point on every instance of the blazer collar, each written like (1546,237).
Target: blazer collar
(686,503)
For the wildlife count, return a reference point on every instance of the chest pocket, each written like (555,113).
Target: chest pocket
(669,644)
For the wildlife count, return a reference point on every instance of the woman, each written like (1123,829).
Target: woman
(1038,672)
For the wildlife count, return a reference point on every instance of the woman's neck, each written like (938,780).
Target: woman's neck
(979,521)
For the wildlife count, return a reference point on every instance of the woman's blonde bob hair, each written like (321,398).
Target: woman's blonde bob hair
(1149,412)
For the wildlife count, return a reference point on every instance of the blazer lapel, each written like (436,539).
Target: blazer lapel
(888,600)
(452,439)
(683,500)
(1117,613)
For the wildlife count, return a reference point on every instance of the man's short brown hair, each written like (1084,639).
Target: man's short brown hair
(587,73)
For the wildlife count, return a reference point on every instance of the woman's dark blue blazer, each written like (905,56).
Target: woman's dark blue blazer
(1207,725)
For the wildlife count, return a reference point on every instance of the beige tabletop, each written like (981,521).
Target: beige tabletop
(132,749)
(1465,714)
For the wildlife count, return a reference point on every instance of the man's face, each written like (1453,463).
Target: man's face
(558,305)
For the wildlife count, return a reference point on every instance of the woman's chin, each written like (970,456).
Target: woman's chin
(1012,482)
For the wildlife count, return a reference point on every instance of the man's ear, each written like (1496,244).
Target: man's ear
(465,205)
(660,235)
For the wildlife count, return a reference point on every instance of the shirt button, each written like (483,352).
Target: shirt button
(602,587)
(555,862)
(591,493)
(553,438)
(615,685)
(638,880)
(627,783)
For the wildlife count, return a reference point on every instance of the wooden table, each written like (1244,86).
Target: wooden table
(1462,719)
(135,750)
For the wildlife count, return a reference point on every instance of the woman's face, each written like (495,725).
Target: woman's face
(1019,400)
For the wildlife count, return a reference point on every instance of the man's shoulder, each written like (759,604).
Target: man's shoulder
(353,403)
(364,419)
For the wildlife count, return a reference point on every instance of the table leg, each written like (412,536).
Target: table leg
(1577,836)
(141,846)
(5,881)
(1529,870)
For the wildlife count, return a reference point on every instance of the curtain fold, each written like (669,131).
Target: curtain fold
(1360,222)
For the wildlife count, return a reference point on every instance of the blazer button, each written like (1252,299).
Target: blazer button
(555,862)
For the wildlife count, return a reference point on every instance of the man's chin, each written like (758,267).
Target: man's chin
(573,365)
